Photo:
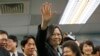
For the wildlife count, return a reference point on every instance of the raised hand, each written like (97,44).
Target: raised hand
(46,14)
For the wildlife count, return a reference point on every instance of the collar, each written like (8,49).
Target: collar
(14,53)
(24,54)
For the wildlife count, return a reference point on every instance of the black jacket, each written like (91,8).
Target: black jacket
(4,52)
(44,48)
(20,54)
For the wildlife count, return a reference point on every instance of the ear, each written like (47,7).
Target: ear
(22,48)
(16,44)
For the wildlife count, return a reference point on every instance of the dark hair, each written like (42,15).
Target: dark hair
(3,32)
(14,38)
(88,42)
(50,31)
(73,46)
(25,40)
(96,49)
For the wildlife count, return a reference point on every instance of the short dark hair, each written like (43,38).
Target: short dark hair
(88,42)
(14,38)
(73,46)
(25,40)
(3,32)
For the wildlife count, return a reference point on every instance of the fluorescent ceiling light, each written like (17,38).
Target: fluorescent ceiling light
(78,11)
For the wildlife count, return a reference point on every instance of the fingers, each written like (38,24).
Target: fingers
(46,8)
(42,9)
(49,9)
(46,15)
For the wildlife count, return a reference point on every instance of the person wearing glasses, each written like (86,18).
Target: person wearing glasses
(3,43)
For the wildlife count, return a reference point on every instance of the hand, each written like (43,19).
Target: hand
(46,14)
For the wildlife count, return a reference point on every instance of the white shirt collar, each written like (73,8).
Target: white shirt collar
(16,54)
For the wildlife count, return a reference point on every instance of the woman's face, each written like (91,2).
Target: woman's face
(56,38)
(87,49)
(68,52)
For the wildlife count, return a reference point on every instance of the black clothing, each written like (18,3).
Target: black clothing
(44,48)
(4,52)
(20,54)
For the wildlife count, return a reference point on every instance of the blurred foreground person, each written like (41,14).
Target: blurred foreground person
(3,43)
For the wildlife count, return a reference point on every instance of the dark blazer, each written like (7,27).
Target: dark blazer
(20,54)
(4,52)
(43,47)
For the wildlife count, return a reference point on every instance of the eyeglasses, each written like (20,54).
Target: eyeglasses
(3,39)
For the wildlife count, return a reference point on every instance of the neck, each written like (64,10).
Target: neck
(87,55)
(29,55)
(55,47)
(13,50)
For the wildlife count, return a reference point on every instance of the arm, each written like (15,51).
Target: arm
(46,17)
(42,29)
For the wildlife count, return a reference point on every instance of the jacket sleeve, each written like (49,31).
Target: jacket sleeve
(41,36)
(40,41)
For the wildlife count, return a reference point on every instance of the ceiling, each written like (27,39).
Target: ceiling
(27,22)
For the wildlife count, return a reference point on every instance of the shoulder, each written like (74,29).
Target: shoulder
(4,52)
(20,54)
